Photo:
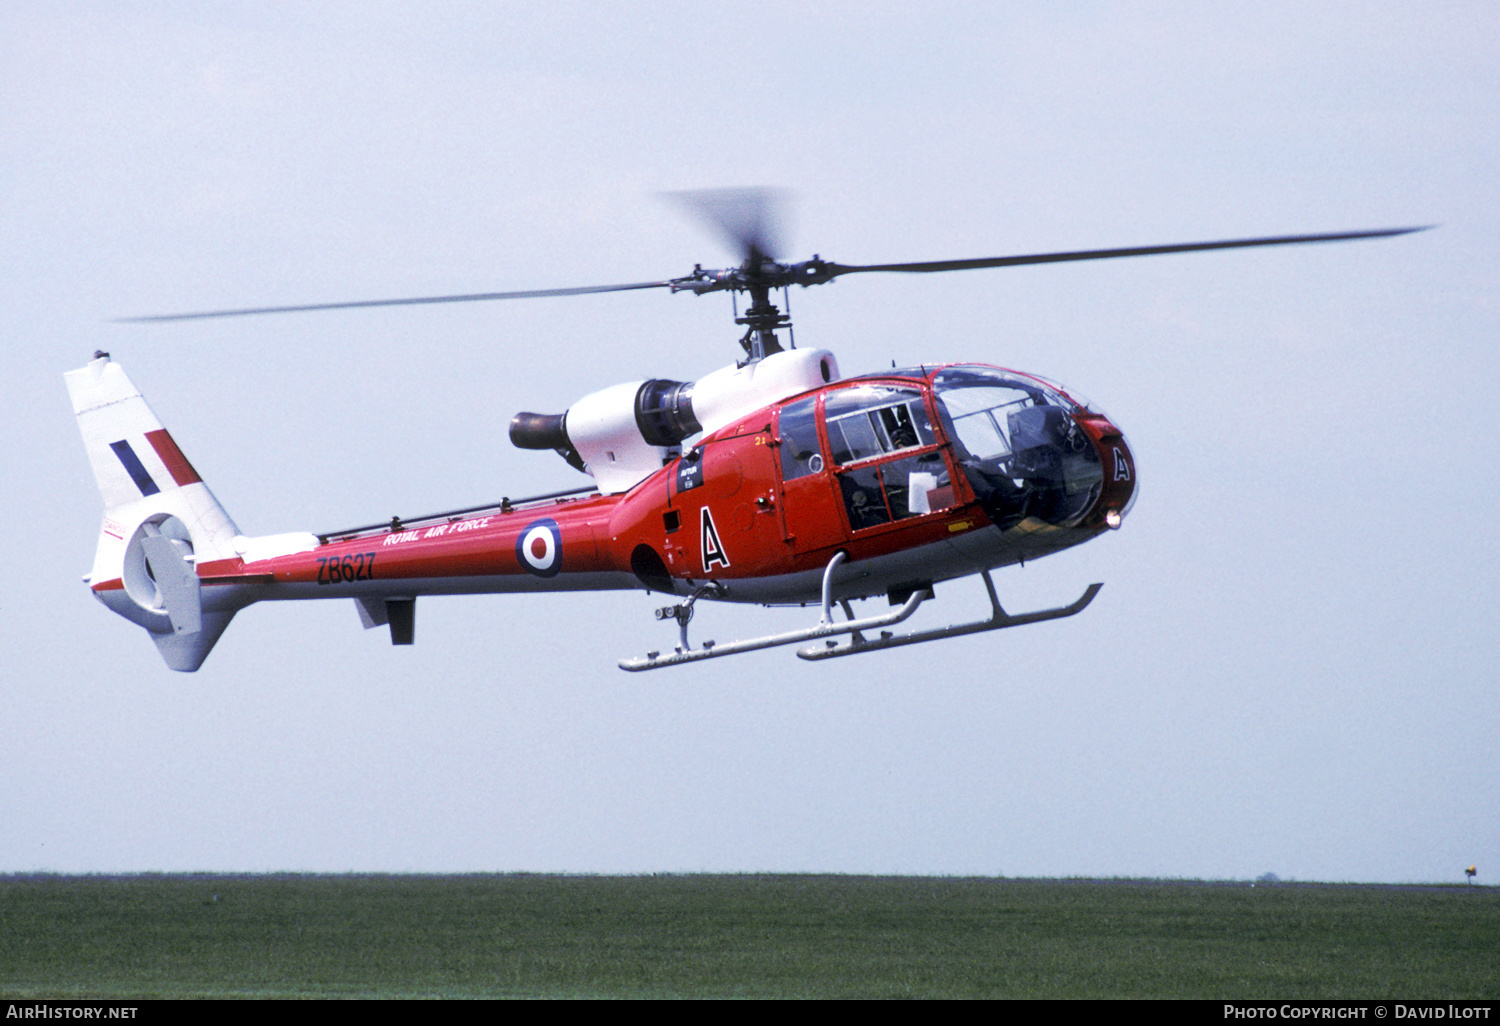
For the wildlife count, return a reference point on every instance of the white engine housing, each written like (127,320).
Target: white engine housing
(603,429)
(605,426)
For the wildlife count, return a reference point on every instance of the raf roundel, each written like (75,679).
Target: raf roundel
(539,548)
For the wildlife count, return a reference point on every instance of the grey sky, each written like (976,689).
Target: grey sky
(1290,668)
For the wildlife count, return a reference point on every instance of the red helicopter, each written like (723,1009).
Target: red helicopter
(772,481)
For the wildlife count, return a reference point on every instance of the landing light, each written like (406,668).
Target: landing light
(1113,519)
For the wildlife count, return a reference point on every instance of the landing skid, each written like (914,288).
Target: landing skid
(829,629)
(999,619)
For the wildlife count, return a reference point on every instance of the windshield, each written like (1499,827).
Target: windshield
(985,408)
(1019,444)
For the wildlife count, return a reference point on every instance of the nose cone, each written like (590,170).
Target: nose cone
(1117,490)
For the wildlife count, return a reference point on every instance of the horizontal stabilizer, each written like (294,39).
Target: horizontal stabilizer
(399,613)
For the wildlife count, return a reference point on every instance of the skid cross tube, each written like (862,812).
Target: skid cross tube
(826,627)
(998,620)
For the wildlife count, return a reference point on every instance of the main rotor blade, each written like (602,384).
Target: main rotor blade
(749,219)
(744,216)
(1106,254)
(473,297)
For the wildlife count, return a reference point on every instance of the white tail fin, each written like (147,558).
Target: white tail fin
(160,519)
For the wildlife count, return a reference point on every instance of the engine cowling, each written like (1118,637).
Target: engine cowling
(623,434)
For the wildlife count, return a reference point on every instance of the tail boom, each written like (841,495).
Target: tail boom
(170,559)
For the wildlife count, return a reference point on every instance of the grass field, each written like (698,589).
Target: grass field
(738,936)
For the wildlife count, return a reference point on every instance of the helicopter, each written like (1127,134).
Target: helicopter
(773,481)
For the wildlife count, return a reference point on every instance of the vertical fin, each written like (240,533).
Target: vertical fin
(160,519)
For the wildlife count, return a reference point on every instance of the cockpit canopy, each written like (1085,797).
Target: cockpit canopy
(1016,438)
(1019,444)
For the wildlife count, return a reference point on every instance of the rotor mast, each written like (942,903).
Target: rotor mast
(761,317)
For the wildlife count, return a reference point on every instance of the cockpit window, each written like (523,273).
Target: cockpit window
(1019,444)
(870,420)
(801,454)
(981,416)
